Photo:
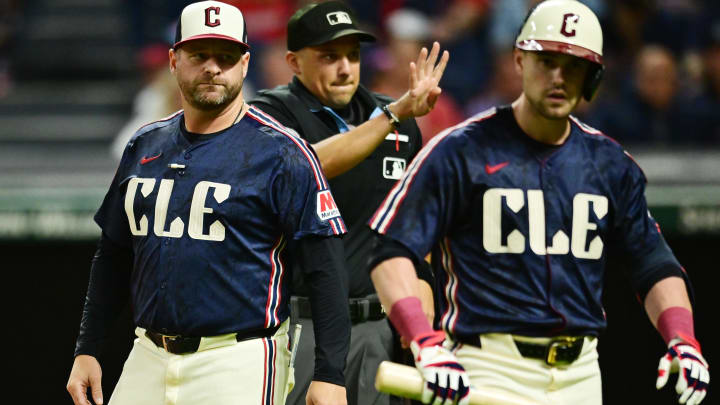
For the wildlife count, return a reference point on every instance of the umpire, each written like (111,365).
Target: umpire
(364,141)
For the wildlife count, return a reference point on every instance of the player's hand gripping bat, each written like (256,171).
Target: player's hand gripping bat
(405,381)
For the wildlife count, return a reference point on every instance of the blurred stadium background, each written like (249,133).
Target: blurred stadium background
(77,77)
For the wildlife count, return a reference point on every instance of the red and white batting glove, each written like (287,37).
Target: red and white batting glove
(446,381)
(693,374)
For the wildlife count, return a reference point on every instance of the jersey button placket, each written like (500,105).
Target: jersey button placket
(187,156)
(547,183)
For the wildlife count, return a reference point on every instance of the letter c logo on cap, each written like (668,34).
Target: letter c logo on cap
(216,22)
(569,18)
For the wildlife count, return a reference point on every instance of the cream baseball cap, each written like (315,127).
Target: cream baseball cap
(211,19)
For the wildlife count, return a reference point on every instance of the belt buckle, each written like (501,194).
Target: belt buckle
(359,309)
(556,344)
(165,340)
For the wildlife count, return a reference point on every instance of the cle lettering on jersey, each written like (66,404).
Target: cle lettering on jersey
(326,207)
(198,209)
(514,198)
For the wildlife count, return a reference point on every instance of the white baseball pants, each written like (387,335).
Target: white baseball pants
(499,366)
(222,371)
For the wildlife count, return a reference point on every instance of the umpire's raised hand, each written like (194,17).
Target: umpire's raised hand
(423,90)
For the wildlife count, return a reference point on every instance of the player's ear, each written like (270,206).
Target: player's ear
(292,60)
(245,59)
(172,56)
(518,60)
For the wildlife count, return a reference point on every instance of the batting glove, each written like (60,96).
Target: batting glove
(693,374)
(446,381)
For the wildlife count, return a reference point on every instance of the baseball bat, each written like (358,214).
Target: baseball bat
(405,381)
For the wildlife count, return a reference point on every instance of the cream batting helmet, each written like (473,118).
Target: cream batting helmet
(569,27)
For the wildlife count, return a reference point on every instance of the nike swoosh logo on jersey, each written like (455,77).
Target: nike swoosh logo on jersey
(492,169)
(149,159)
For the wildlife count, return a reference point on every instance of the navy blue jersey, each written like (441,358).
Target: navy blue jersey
(208,219)
(521,230)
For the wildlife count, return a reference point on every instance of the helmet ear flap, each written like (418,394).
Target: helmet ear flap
(592,81)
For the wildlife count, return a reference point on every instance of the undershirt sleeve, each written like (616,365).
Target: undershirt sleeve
(323,261)
(386,248)
(107,293)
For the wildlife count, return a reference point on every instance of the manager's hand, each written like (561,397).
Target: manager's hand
(324,393)
(85,373)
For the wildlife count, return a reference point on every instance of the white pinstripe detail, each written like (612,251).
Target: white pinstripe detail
(585,127)
(274,289)
(451,314)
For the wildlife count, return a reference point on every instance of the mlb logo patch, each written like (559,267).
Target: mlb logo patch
(393,168)
(326,207)
(338,17)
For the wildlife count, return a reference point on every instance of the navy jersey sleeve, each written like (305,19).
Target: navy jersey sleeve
(111,215)
(300,194)
(426,200)
(638,237)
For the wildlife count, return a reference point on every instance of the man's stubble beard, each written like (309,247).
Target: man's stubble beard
(545,111)
(199,100)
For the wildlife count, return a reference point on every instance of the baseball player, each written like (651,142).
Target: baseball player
(194,231)
(364,141)
(522,205)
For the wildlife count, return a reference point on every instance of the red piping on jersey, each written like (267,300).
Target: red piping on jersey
(342,225)
(592,131)
(271,286)
(307,151)
(281,265)
(313,163)
(168,118)
(449,321)
(332,225)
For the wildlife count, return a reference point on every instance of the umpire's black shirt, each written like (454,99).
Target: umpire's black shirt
(359,191)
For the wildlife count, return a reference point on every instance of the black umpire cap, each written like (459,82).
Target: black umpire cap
(318,23)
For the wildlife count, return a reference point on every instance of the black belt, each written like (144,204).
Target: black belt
(190,344)
(361,309)
(560,351)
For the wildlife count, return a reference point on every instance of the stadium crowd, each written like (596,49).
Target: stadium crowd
(662,58)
